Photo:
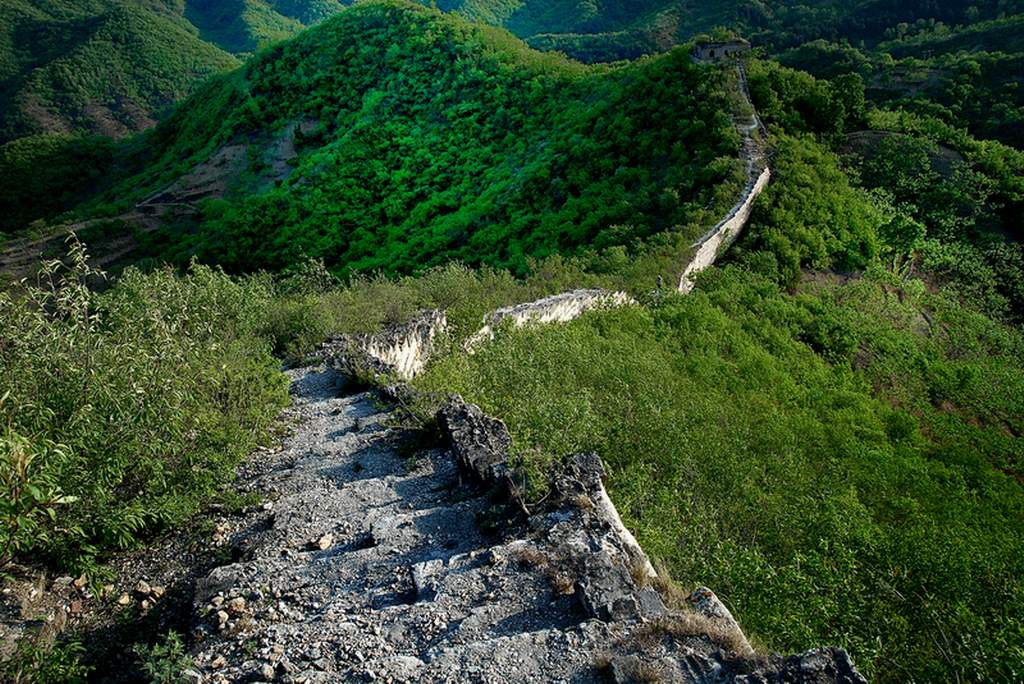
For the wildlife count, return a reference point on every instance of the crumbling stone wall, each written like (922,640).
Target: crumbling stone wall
(401,350)
(557,308)
(722,235)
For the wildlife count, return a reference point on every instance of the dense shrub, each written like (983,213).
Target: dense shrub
(40,176)
(833,463)
(123,410)
(811,216)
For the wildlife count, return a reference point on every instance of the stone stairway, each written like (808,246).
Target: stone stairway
(373,567)
(381,559)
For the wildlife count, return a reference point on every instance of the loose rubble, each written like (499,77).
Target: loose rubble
(378,565)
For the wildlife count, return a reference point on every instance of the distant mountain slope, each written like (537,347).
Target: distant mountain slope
(100,66)
(112,66)
(393,136)
(602,29)
(239,26)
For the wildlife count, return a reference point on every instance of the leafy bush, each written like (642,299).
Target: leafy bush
(29,494)
(36,660)
(810,216)
(165,662)
(839,467)
(136,402)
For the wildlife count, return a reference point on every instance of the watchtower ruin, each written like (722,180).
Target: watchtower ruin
(713,52)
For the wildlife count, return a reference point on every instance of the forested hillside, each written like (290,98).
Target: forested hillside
(113,67)
(598,29)
(827,430)
(102,66)
(902,50)
(392,138)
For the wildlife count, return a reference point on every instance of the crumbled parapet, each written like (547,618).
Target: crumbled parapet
(347,355)
(711,245)
(558,308)
(592,538)
(401,350)
(583,475)
(378,567)
(608,592)
(706,603)
(480,443)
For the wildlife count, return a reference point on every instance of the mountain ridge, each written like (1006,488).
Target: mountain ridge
(358,129)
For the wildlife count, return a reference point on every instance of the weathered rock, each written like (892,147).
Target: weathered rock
(424,578)
(705,602)
(236,606)
(558,308)
(219,581)
(480,443)
(818,666)
(608,592)
(401,350)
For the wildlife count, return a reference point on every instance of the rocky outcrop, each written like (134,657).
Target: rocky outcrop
(479,442)
(400,350)
(558,308)
(580,541)
(661,662)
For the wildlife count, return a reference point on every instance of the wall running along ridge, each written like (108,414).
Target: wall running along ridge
(722,235)
(616,572)
(712,243)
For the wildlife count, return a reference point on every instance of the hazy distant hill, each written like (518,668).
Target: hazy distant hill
(105,66)
(112,66)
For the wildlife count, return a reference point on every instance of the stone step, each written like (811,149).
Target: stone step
(369,567)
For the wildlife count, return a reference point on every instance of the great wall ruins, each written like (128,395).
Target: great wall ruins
(377,564)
